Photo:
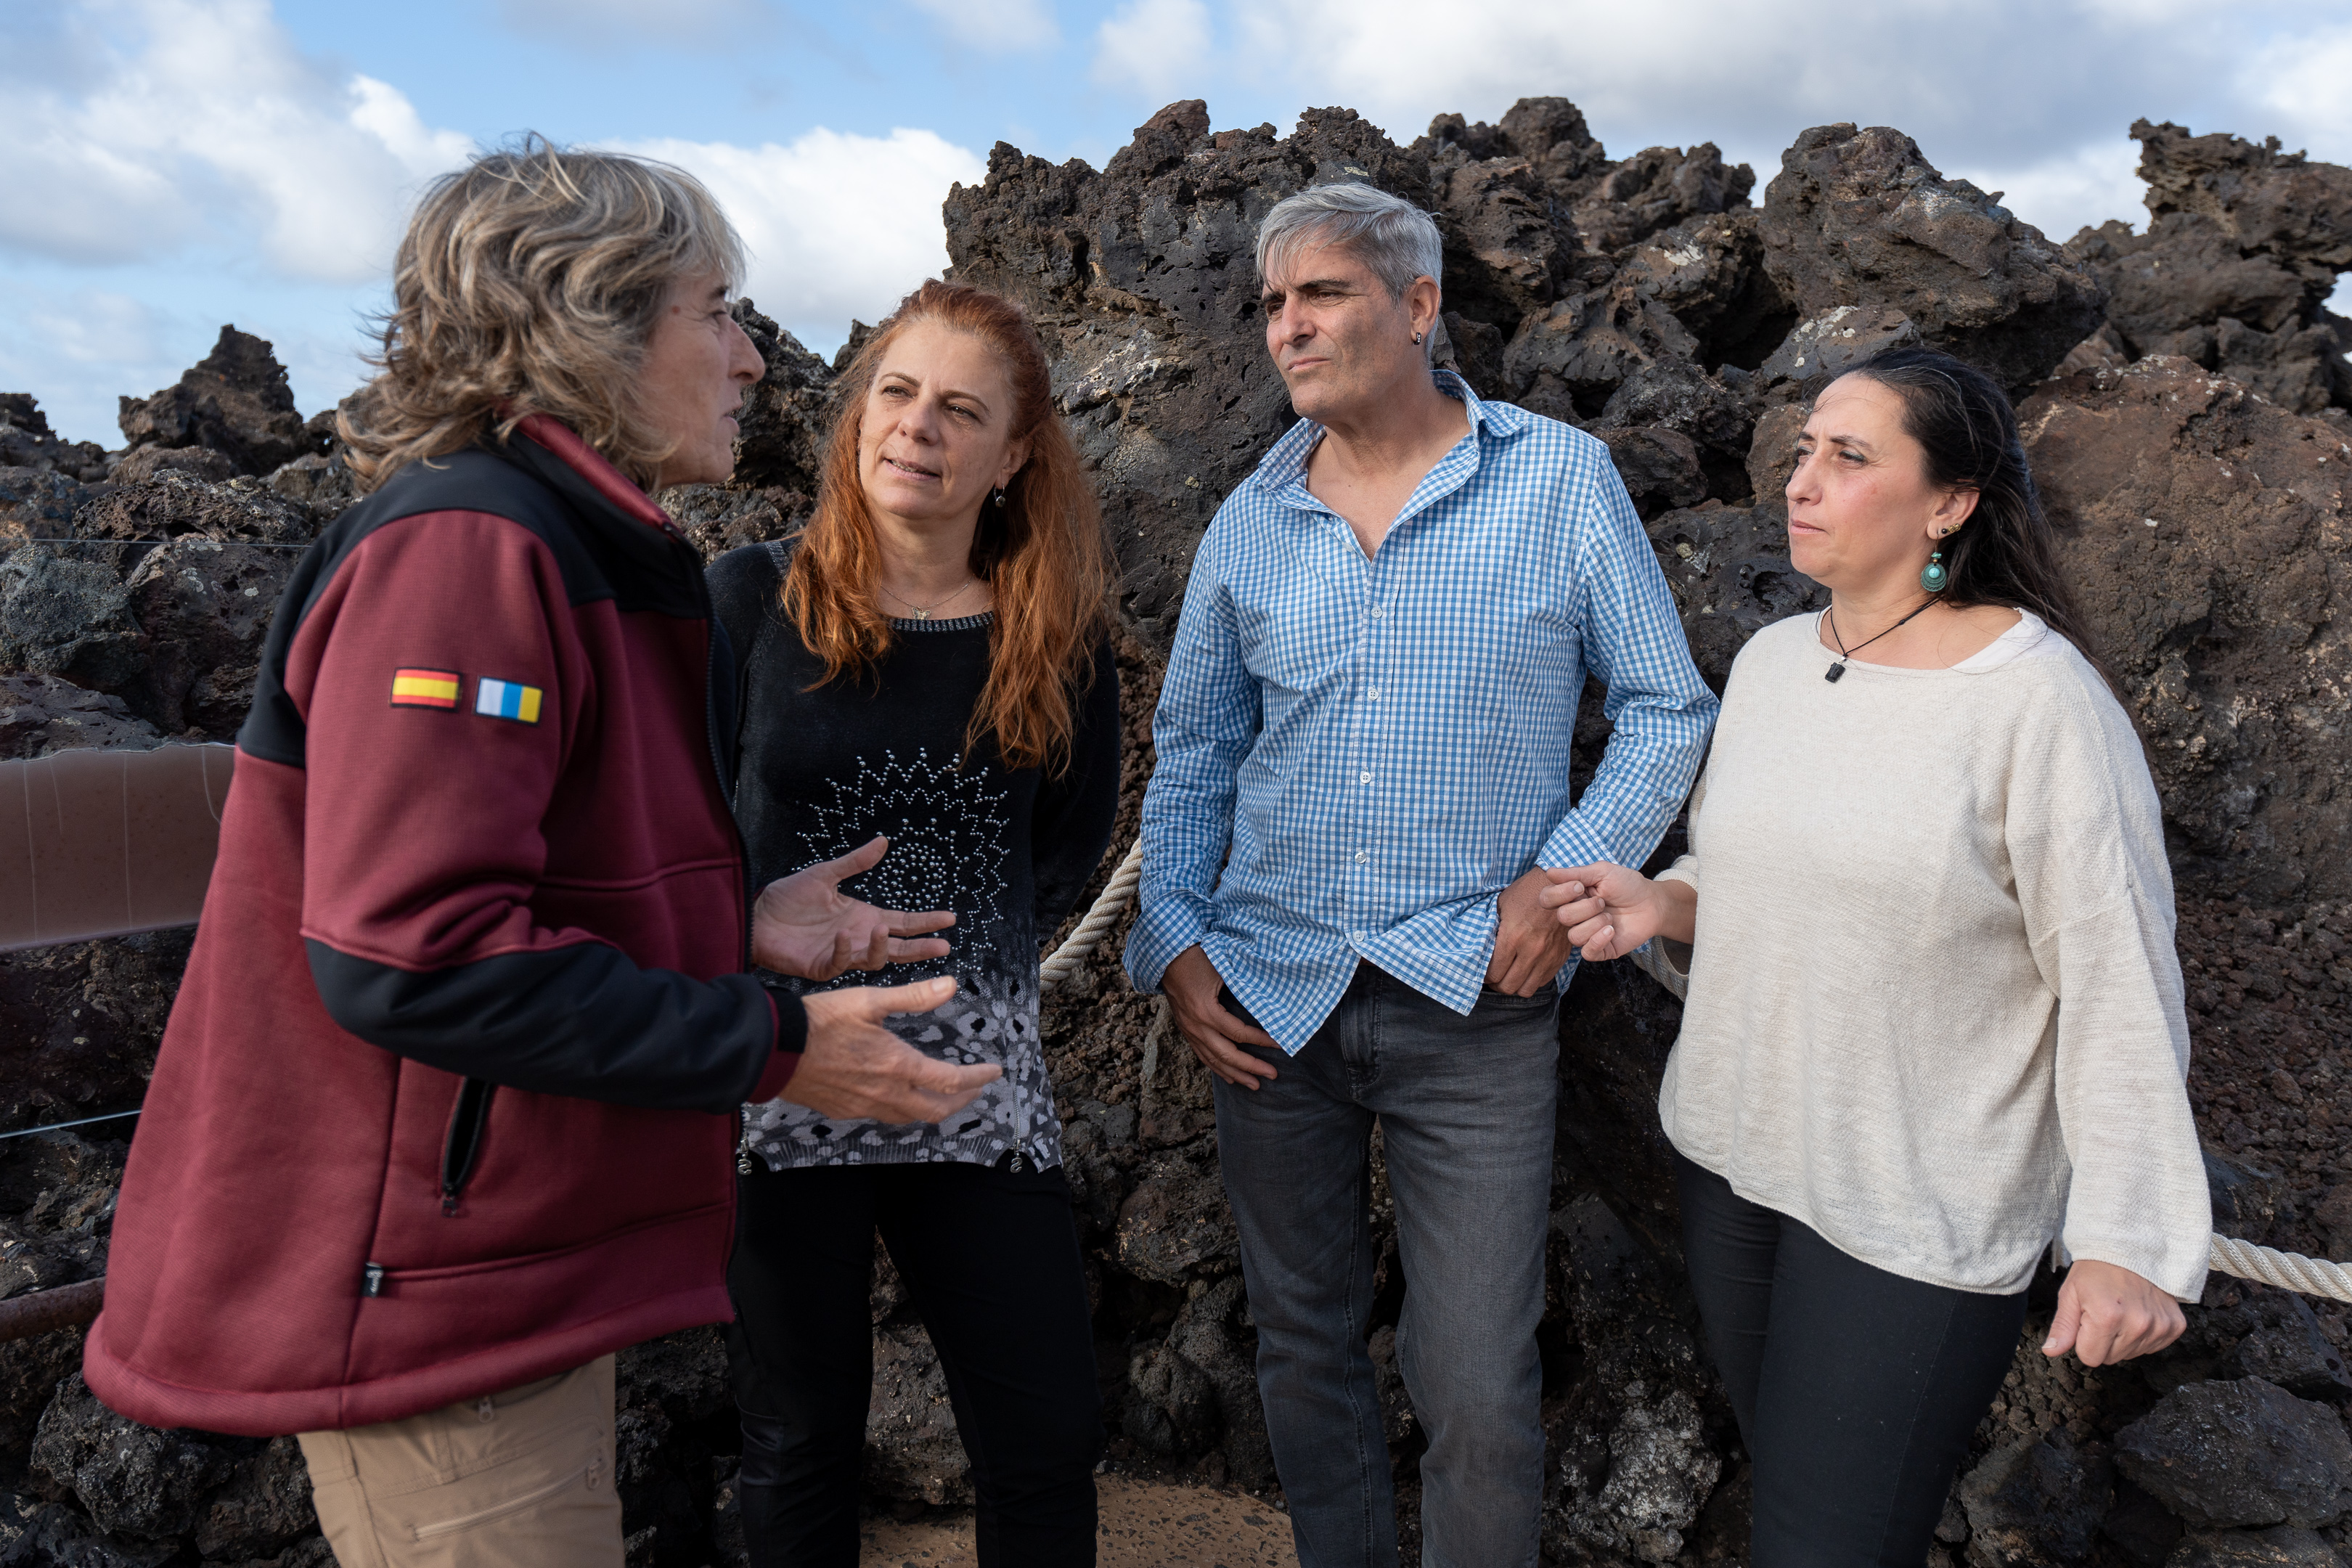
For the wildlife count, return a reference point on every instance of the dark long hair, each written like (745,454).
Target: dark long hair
(2004,555)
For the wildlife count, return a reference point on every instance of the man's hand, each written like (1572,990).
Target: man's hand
(1191,984)
(1530,945)
(803,926)
(2107,1313)
(853,1069)
(1609,910)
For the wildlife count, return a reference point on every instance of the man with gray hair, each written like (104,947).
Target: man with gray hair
(1364,744)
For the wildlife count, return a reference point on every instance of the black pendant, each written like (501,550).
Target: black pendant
(1834,672)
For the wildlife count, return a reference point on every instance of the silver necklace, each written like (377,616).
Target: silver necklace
(923,612)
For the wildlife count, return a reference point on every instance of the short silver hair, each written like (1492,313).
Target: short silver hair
(1393,238)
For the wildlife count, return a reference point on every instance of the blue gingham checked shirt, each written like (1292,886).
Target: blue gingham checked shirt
(1370,751)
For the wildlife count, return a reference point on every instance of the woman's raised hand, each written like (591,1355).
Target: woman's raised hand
(1608,909)
(803,926)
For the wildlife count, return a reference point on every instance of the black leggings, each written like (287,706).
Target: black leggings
(1856,1390)
(990,1258)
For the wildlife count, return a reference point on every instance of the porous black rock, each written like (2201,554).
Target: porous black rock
(235,401)
(2241,1452)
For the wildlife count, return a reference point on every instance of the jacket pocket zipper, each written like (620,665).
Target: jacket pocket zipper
(463,1148)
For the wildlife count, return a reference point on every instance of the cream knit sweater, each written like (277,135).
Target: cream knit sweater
(1935,1010)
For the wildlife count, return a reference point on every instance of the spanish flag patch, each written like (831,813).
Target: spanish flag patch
(424,688)
(506,699)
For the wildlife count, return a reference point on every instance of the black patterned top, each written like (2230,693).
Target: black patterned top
(825,767)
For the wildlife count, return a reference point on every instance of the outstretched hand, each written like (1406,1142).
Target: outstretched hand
(852,1069)
(2107,1313)
(803,926)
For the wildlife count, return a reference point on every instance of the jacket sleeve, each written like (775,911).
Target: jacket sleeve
(424,841)
(1070,826)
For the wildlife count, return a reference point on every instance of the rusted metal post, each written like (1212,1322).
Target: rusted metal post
(61,1307)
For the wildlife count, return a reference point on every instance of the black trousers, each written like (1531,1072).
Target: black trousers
(990,1258)
(1856,1390)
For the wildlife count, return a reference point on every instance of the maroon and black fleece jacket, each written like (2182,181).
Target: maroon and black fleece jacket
(446,1103)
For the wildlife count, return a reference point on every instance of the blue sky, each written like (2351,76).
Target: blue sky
(179,163)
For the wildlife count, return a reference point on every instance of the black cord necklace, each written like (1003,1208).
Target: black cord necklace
(1845,653)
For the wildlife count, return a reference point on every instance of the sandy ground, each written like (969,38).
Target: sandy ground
(1145,1524)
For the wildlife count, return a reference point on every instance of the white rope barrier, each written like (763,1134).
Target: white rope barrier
(1115,897)
(2230,1254)
(2286,1270)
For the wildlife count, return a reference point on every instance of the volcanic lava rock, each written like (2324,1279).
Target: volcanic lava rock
(68,616)
(2242,248)
(2036,1503)
(1861,218)
(37,504)
(1658,188)
(27,442)
(42,713)
(911,1448)
(1634,1467)
(1176,1225)
(780,445)
(133,1480)
(234,400)
(2242,1452)
(2203,531)
(2283,1546)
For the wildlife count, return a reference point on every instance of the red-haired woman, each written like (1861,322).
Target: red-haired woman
(929,663)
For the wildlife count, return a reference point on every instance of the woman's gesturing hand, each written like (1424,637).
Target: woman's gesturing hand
(853,1069)
(1610,910)
(803,926)
(2107,1313)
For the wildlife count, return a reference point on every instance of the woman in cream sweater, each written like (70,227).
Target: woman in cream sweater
(1934,1021)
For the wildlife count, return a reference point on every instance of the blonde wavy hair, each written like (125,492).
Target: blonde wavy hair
(528,283)
(1043,553)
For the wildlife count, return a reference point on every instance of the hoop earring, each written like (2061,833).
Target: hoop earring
(1416,337)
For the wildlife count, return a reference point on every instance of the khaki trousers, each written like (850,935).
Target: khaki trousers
(517,1479)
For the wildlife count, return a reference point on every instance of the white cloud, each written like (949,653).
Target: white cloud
(1991,86)
(2306,83)
(1157,46)
(997,26)
(203,113)
(2073,191)
(838,225)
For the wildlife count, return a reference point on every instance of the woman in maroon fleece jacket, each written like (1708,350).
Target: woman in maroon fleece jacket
(444,1115)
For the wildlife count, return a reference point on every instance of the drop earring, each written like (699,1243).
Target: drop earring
(1935,575)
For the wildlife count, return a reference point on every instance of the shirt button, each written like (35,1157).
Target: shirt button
(1362,856)
(1367,778)
(1375,694)
(1378,612)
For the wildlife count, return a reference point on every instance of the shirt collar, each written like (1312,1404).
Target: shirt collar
(1287,461)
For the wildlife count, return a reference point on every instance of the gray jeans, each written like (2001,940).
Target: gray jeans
(1465,1106)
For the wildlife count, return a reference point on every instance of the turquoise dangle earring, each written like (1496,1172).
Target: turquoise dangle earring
(1933,575)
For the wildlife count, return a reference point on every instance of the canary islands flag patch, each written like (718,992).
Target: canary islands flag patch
(424,688)
(506,699)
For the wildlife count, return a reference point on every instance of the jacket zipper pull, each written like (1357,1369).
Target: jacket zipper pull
(372,1279)
(743,1153)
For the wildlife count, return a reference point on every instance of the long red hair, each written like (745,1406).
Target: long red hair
(1043,553)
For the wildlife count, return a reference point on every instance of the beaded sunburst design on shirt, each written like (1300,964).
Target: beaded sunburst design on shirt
(949,839)
(947,830)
